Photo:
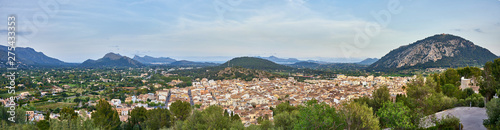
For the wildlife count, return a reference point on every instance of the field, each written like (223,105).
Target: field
(45,106)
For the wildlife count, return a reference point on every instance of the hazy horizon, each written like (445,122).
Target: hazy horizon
(217,30)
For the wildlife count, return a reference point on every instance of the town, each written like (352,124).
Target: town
(248,99)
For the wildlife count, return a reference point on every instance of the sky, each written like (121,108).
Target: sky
(218,30)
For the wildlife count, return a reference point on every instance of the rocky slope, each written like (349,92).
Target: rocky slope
(442,50)
(28,57)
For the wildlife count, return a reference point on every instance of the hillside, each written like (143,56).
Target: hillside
(442,50)
(191,63)
(28,57)
(243,73)
(305,64)
(254,63)
(280,60)
(368,61)
(112,60)
(154,60)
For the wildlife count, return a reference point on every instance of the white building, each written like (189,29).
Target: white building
(116,102)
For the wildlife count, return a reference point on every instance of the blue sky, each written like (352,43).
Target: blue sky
(217,30)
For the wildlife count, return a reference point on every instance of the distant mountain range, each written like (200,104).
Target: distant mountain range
(329,66)
(442,50)
(192,63)
(280,60)
(368,61)
(28,57)
(112,60)
(153,60)
(289,61)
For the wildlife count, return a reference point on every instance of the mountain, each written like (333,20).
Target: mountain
(26,56)
(442,50)
(112,60)
(153,60)
(243,73)
(280,60)
(254,63)
(191,63)
(329,66)
(305,64)
(368,61)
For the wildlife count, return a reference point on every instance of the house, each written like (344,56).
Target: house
(469,83)
(43,93)
(116,102)
(34,116)
(24,94)
(56,89)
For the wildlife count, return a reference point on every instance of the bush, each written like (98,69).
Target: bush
(475,100)
(446,123)
(493,111)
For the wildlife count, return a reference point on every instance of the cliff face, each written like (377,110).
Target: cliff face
(443,50)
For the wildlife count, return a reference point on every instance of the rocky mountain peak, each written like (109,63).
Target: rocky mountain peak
(112,56)
(441,50)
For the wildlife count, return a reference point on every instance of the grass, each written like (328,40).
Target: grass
(46,105)
(77,90)
(6,95)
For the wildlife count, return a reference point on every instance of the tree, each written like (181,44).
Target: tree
(395,115)
(450,90)
(470,72)
(450,76)
(137,116)
(380,96)
(491,78)
(437,102)
(283,107)
(319,116)
(360,116)
(467,93)
(210,118)
(286,120)
(158,118)
(493,111)
(417,91)
(266,125)
(68,114)
(105,117)
(180,109)
(235,117)
(43,125)
(262,118)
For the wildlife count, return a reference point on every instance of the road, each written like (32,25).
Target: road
(471,117)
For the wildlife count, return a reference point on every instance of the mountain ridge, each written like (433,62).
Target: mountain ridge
(29,57)
(280,60)
(112,60)
(441,50)
(154,60)
(254,63)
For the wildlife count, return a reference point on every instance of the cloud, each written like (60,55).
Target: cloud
(478,30)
